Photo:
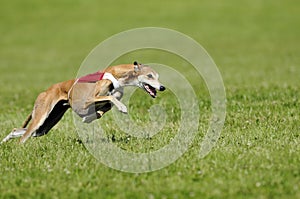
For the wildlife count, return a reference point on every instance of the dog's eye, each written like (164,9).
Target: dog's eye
(150,76)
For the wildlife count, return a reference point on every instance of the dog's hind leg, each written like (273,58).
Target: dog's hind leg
(14,134)
(92,117)
(17,132)
(48,110)
(41,110)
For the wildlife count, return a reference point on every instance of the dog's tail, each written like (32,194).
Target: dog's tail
(27,120)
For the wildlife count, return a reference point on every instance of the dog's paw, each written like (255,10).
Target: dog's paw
(92,117)
(122,108)
(89,118)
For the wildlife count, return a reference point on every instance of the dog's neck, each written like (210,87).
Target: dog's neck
(110,77)
(124,74)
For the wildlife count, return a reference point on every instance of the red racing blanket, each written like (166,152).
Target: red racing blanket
(91,78)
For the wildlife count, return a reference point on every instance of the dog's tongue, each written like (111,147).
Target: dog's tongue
(150,90)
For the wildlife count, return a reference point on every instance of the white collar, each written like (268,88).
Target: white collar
(110,77)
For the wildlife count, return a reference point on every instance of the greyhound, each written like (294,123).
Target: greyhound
(89,97)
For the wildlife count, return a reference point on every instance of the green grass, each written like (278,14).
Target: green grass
(254,43)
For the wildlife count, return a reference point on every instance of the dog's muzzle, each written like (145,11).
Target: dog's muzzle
(162,88)
(151,90)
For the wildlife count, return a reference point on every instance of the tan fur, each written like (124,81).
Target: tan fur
(44,103)
(81,96)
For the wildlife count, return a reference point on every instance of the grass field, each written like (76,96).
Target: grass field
(256,47)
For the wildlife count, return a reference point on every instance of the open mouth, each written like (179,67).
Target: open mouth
(150,90)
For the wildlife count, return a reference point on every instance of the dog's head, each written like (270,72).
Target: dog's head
(148,79)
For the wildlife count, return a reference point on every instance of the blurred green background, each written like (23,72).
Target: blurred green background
(256,38)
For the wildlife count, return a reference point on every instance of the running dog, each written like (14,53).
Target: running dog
(89,96)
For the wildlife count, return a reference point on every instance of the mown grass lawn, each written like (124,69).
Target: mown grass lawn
(256,47)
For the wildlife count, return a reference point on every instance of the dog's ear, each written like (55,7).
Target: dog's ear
(136,66)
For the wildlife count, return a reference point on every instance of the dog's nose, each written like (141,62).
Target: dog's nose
(162,88)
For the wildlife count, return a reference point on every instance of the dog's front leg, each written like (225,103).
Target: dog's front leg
(120,106)
(117,93)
